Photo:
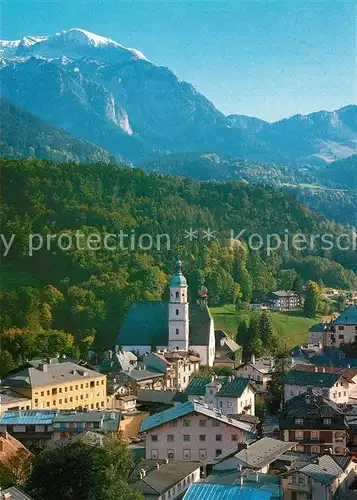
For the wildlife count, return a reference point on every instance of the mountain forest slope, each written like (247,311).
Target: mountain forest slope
(94,286)
(23,135)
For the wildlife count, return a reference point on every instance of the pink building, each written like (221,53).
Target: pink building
(191,431)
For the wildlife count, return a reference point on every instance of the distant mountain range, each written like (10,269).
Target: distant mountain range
(96,89)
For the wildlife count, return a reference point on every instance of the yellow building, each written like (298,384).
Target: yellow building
(60,385)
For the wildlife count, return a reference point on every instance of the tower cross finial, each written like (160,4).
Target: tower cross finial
(178,265)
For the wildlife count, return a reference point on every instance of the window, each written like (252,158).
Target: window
(76,387)
(202,454)
(177,331)
(186,437)
(36,402)
(299,421)
(314,434)
(229,404)
(173,423)
(154,453)
(341,327)
(186,454)
(299,435)
(177,312)
(154,438)
(216,423)
(177,295)
(186,423)
(234,437)
(202,437)
(301,480)
(48,393)
(341,337)
(170,438)
(218,437)
(42,393)
(218,452)
(202,423)
(171,454)
(221,404)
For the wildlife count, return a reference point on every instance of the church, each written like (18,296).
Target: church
(174,325)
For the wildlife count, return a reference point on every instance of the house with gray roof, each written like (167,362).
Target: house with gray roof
(328,477)
(174,325)
(161,479)
(256,456)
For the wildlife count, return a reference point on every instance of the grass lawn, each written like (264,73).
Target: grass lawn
(292,327)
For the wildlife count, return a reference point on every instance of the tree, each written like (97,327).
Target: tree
(266,331)
(242,337)
(255,344)
(311,303)
(84,472)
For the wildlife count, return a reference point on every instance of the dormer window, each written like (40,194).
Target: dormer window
(326,421)
(299,421)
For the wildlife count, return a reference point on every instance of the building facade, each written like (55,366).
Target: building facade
(191,431)
(60,386)
(316,423)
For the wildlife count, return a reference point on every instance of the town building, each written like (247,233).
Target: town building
(32,428)
(228,352)
(10,447)
(118,361)
(256,456)
(67,423)
(258,371)
(334,386)
(229,394)
(14,493)
(164,479)
(343,329)
(59,385)
(177,366)
(204,491)
(328,477)
(11,401)
(174,325)
(283,300)
(191,431)
(340,330)
(316,423)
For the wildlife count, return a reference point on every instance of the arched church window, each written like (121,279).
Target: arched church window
(177,295)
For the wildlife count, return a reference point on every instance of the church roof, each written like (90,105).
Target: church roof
(146,323)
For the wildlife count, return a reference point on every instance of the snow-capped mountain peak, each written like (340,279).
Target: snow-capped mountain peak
(74,43)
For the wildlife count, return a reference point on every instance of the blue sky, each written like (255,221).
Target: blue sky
(260,58)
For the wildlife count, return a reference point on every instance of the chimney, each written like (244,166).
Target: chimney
(7,496)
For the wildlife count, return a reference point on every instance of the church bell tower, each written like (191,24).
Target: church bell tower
(178,311)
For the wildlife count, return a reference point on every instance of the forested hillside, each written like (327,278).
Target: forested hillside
(23,135)
(87,291)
